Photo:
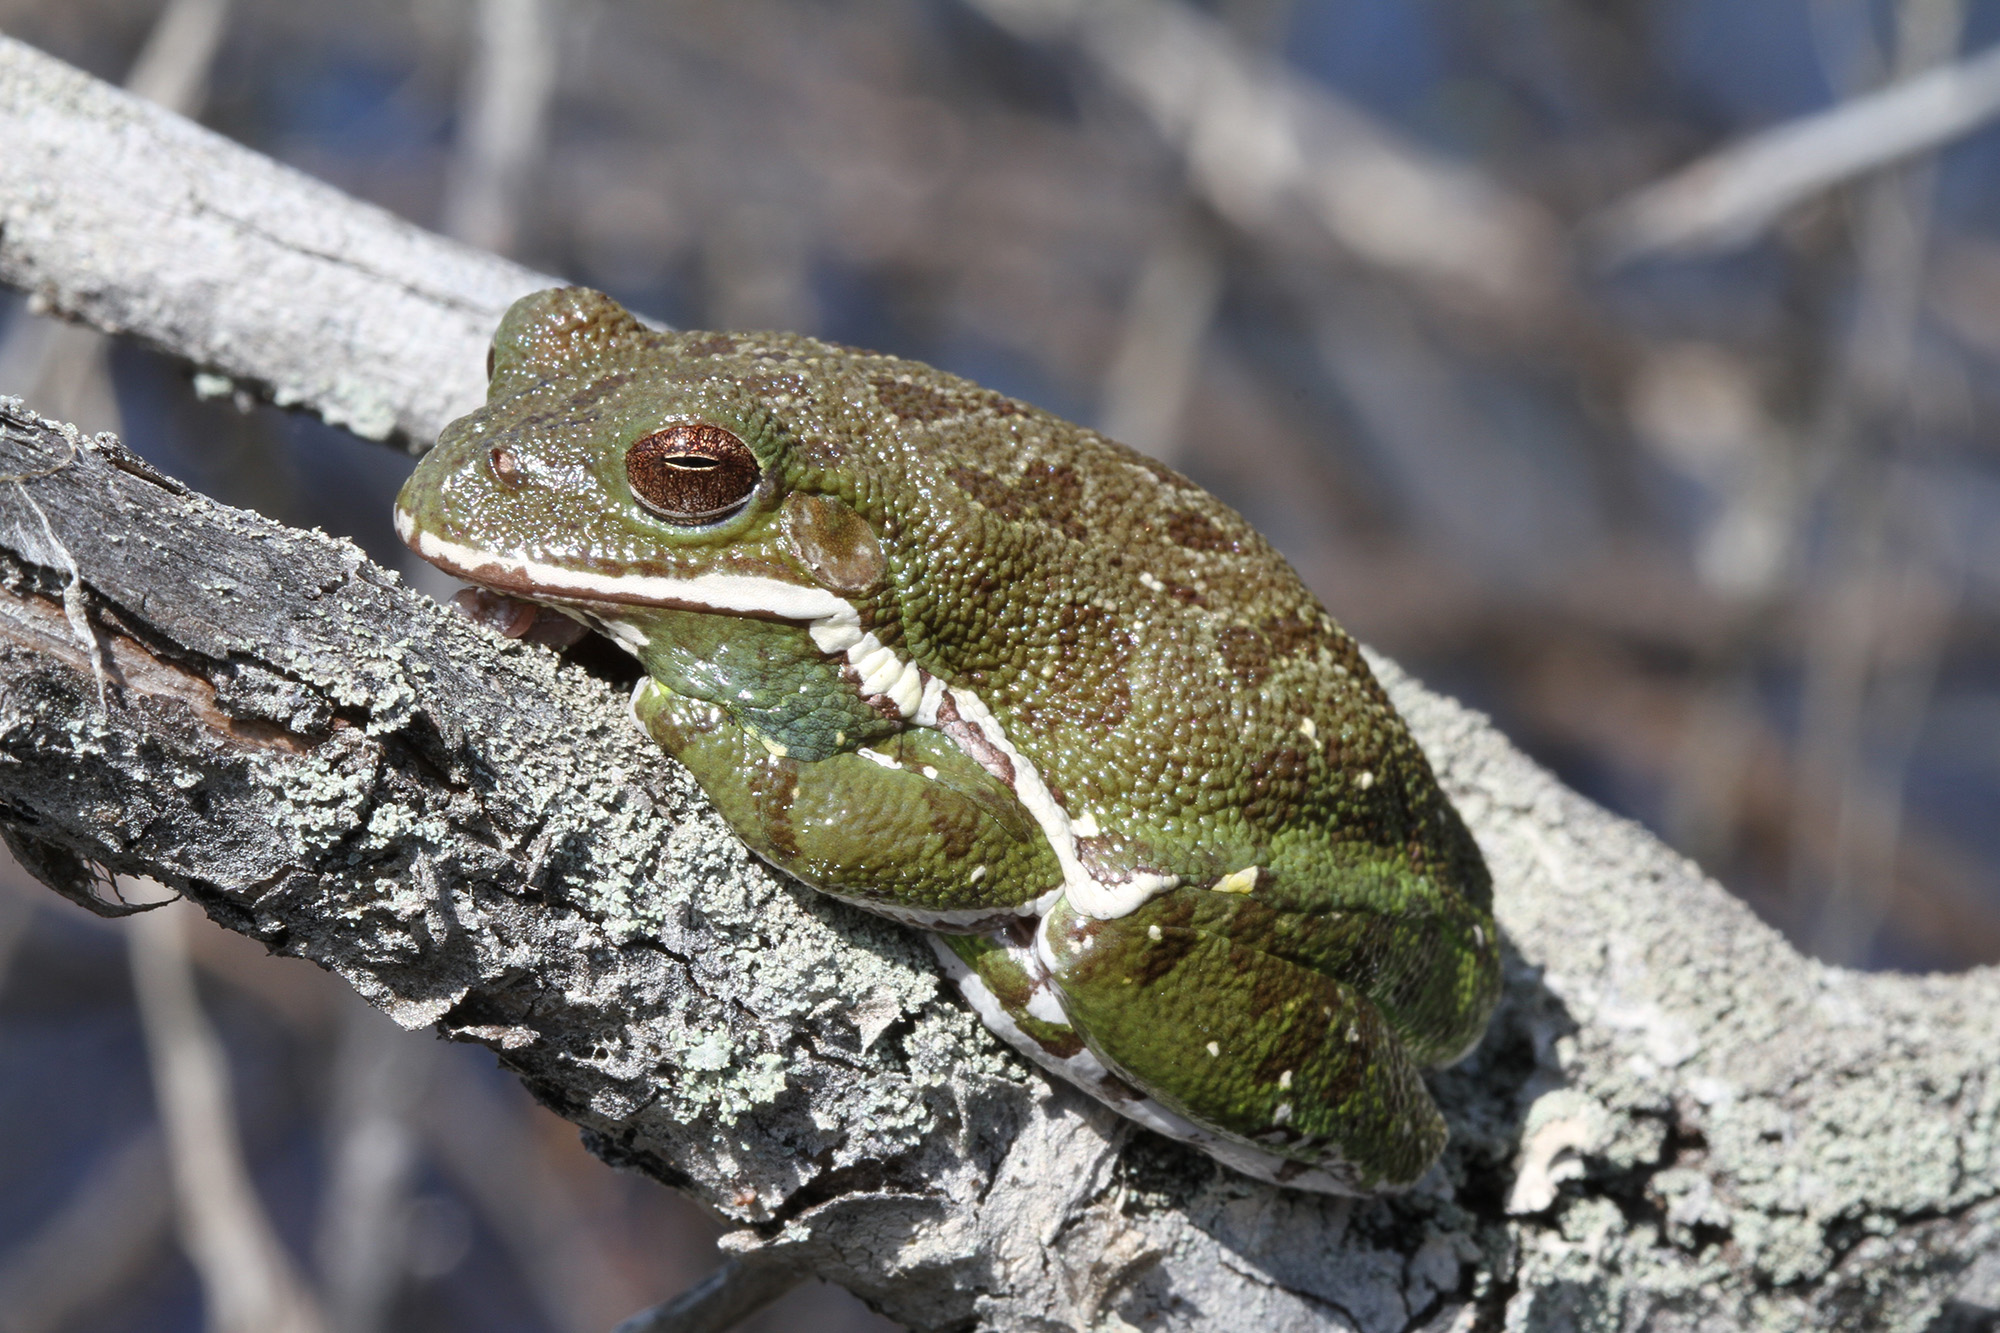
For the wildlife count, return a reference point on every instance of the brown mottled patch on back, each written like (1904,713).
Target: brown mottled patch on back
(999,404)
(1057,496)
(1045,492)
(1289,636)
(1246,652)
(774,787)
(1196,531)
(912,402)
(1090,640)
(715,344)
(1277,781)
(987,489)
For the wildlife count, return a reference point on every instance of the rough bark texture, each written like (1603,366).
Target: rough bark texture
(1675,1122)
(131,218)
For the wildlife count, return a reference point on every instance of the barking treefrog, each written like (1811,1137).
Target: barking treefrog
(957,661)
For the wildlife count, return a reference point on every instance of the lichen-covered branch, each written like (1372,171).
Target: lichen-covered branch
(123,214)
(1676,1121)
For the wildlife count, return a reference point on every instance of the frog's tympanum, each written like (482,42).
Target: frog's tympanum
(954,660)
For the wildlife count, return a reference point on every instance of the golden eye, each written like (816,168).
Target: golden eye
(691,472)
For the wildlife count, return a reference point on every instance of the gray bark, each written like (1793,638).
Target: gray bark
(131,218)
(1675,1122)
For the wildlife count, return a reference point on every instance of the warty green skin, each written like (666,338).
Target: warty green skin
(1178,845)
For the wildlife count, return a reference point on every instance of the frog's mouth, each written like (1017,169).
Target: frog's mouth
(516,574)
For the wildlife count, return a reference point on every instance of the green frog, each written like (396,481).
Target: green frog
(962,663)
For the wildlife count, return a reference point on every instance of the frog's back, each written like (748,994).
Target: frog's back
(1133,632)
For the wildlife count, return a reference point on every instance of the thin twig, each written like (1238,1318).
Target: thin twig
(96,1246)
(1158,360)
(719,1302)
(363,1248)
(505,114)
(250,1282)
(1730,197)
(1260,139)
(1860,433)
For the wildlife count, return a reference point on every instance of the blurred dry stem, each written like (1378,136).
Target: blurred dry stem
(1152,375)
(172,68)
(1865,693)
(719,1302)
(107,1235)
(558,1248)
(1727,198)
(249,1280)
(504,113)
(1260,141)
(364,1247)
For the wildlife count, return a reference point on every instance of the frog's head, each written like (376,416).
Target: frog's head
(616,466)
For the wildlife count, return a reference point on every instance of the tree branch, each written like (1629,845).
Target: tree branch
(1675,1120)
(122,214)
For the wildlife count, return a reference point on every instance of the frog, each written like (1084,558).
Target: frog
(959,662)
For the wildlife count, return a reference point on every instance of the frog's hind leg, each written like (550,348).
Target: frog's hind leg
(1281,1063)
(1004,979)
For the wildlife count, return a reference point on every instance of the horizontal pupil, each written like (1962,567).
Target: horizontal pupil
(692,462)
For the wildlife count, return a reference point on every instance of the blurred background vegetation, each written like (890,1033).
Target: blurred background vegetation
(1623,367)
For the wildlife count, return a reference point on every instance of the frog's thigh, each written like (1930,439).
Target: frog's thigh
(1263,1050)
(910,827)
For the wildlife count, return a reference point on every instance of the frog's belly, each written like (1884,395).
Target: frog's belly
(1086,1071)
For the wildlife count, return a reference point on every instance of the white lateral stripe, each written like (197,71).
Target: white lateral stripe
(744,594)
(880,670)
(1087,895)
(952,918)
(831,638)
(908,692)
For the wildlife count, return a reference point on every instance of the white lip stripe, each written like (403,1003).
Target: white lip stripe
(829,618)
(744,594)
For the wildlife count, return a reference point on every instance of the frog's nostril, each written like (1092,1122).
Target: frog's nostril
(505,466)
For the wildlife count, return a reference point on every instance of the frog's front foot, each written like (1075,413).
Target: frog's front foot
(513,618)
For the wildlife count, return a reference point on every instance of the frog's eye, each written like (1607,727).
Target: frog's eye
(691,472)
